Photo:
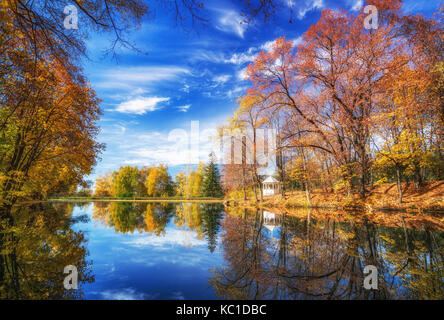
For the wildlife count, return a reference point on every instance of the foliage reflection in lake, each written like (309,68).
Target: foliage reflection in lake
(126,250)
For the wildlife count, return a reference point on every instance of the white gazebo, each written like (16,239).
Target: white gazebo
(271,186)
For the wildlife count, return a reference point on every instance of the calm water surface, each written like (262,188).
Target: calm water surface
(200,251)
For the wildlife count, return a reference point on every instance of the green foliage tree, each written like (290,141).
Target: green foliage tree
(211,182)
(125,182)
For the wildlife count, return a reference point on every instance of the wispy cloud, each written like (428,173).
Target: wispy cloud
(231,22)
(148,74)
(182,238)
(309,5)
(126,294)
(133,78)
(221,79)
(186,88)
(236,58)
(268,46)
(140,105)
(242,74)
(184,108)
(143,147)
(243,57)
(357,5)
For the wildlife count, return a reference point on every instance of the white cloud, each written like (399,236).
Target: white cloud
(236,91)
(243,57)
(230,21)
(267,46)
(297,41)
(149,147)
(184,108)
(235,58)
(357,5)
(140,105)
(308,6)
(122,128)
(174,237)
(133,78)
(186,88)
(148,74)
(221,79)
(125,294)
(242,74)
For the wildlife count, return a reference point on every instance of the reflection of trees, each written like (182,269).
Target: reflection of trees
(211,216)
(157,216)
(418,262)
(188,215)
(36,243)
(324,260)
(202,218)
(127,217)
(245,251)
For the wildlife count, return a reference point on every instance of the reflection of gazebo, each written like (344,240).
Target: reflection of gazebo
(271,221)
(271,186)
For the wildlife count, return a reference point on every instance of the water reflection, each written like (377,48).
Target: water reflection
(136,250)
(36,243)
(203,219)
(280,257)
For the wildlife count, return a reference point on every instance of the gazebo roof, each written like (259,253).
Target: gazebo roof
(270,179)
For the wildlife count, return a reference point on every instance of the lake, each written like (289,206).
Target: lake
(125,250)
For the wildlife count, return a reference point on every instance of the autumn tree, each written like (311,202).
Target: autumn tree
(48,125)
(333,89)
(125,182)
(102,187)
(180,181)
(189,182)
(158,182)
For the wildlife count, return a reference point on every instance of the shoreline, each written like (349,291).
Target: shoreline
(133,200)
(388,218)
(428,199)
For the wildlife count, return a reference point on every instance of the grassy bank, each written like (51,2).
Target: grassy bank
(422,208)
(384,197)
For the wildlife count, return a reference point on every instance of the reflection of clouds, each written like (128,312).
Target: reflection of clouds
(179,247)
(177,258)
(126,294)
(178,295)
(109,268)
(173,238)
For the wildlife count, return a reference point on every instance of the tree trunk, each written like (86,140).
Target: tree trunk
(307,179)
(261,192)
(398,183)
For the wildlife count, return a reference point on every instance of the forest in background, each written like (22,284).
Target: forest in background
(155,181)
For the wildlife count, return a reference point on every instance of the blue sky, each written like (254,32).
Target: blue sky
(150,100)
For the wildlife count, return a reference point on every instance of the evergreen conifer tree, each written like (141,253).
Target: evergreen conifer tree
(211,182)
